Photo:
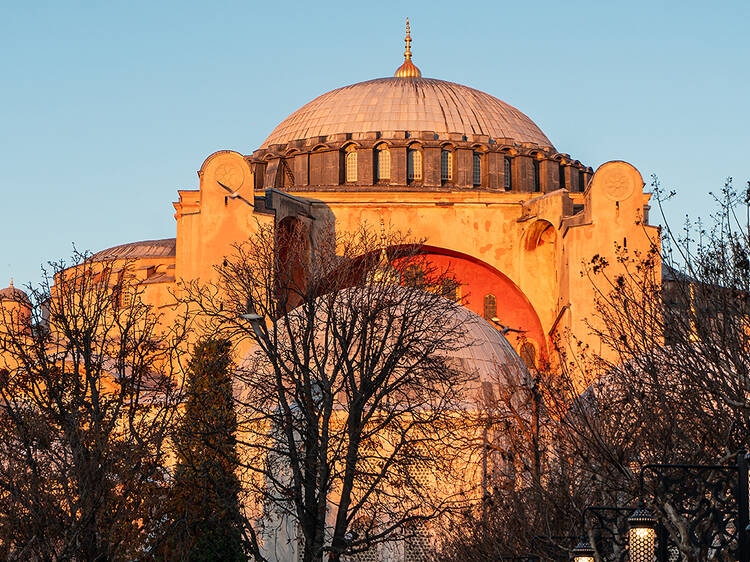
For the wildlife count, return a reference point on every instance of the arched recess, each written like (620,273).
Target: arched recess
(478,279)
(292,257)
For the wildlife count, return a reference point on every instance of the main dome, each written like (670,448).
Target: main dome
(408,104)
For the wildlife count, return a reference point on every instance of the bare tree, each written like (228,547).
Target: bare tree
(87,398)
(349,404)
(671,387)
(675,390)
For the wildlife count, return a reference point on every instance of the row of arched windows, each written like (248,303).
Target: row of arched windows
(382,157)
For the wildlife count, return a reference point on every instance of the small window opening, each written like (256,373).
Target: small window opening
(508,174)
(477,170)
(351,164)
(413,165)
(382,163)
(490,307)
(446,166)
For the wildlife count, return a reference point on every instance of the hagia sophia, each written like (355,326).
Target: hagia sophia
(513,216)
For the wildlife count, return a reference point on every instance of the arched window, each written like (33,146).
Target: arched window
(351,164)
(382,163)
(414,165)
(528,355)
(446,165)
(581,181)
(537,179)
(490,307)
(413,276)
(450,289)
(476,169)
(562,176)
(508,174)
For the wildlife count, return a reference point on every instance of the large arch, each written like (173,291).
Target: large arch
(479,279)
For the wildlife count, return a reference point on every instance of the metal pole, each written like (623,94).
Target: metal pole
(662,552)
(743,544)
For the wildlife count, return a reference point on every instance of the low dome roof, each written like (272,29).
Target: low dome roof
(408,104)
(15,294)
(143,249)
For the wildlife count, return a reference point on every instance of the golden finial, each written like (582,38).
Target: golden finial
(408,69)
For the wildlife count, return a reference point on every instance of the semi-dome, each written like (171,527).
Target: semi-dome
(408,103)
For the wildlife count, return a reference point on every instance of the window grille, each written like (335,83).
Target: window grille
(383,163)
(417,547)
(477,169)
(414,165)
(537,179)
(446,165)
(490,307)
(351,164)
(413,276)
(508,174)
(562,176)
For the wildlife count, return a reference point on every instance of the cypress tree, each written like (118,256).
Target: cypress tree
(205,519)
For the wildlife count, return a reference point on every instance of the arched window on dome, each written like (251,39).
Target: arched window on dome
(562,176)
(581,181)
(446,165)
(476,170)
(537,177)
(382,163)
(508,174)
(490,306)
(413,165)
(350,164)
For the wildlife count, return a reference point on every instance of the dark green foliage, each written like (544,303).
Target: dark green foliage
(204,509)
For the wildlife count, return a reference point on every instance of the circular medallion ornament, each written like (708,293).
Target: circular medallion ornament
(618,183)
(230,174)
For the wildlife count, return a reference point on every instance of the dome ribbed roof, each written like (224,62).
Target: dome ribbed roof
(407,104)
(143,249)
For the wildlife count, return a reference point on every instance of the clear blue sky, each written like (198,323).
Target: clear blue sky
(107,108)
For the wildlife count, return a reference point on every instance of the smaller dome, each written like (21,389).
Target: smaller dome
(165,248)
(14,294)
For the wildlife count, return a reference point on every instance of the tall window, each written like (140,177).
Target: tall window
(446,165)
(490,307)
(581,181)
(477,169)
(528,355)
(351,164)
(382,163)
(413,165)
(537,179)
(508,174)
(562,176)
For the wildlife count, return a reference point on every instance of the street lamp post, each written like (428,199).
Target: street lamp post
(641,535)
(583,552)
(712,524)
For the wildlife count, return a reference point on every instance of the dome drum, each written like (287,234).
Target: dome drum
(476,162)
